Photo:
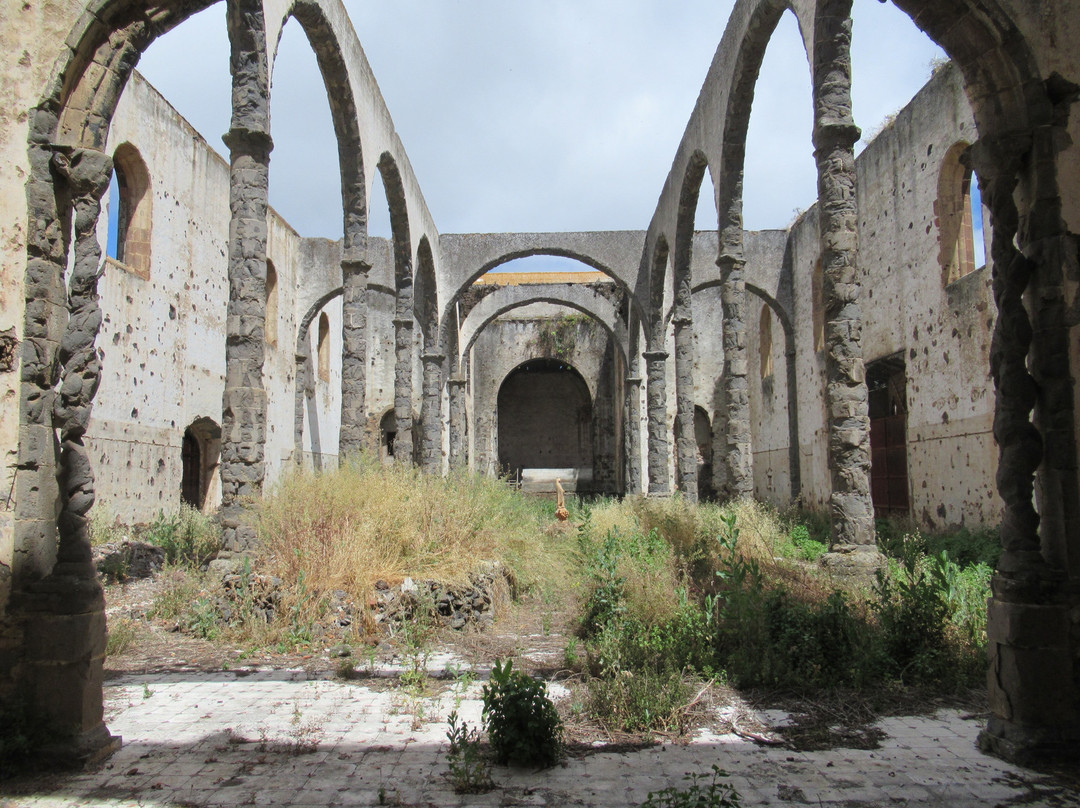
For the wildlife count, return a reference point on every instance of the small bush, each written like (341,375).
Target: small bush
(187,537)
(104,525)
(639,700)
(522,723)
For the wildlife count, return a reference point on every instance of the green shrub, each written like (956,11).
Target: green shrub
(913,614)
(187,537)
(121,636)
(522,723)
(639,700)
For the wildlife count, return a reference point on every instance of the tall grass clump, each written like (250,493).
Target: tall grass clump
(363,522)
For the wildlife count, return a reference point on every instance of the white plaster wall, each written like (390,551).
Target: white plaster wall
(163,339)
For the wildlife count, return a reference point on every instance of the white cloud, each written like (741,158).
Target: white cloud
(563,115)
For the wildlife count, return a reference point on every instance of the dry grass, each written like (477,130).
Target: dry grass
(352,526)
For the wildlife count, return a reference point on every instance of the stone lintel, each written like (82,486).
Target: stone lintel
(682,319)
(432,357)
(457,382)
(632,381)
(403,322)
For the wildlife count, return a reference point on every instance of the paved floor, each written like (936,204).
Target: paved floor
(277,738)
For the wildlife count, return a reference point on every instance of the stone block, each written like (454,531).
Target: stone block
(1031,685)
(65,638)
(1022,625)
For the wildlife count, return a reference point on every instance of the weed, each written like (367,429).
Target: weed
(188,537)
(469,772)
(104,525)
(571,657)
(696,795)
(121,636)
(639,700)
(146,691)
(522,723)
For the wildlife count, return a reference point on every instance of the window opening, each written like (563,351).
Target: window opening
(887,392)
(324,347)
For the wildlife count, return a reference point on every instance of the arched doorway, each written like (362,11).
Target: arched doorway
(545,414)
(200,485)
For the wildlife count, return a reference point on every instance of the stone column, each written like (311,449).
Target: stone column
(354,275)
(64,612)
(431,415)
(1031,685)
(835,135)
(685,439)
(656,391)
(633,435)
(738,460)
(243,416)
(403,368)
(458,456)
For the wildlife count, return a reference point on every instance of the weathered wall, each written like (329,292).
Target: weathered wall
(515,338)
(162,339)
(943,330)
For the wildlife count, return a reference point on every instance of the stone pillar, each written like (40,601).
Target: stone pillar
(633,435)
(1031,683)
(351,439)
(431,415)
(656,391)
(403,368)
(243,416)
(64,612)
(737,469)
(835,135)
(458,455)
(685,438)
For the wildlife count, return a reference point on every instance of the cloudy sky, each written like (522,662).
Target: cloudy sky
(535,116)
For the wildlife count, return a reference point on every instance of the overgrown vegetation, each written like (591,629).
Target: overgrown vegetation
(557,338)
(680,593)
(343,531)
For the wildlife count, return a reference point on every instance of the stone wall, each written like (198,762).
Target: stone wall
(942,330)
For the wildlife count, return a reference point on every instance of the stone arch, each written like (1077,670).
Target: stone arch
(426,313)
(506,299)
(404,315)
(335,75)
(134,210)
(305,371)
(539,244)
(686,464)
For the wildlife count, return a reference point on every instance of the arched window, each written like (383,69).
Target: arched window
(271,332)
(324,347)
(959,217)
(765,342)
(817,291)
(130,203)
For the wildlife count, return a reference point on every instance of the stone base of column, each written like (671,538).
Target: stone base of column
(1033,697)
(853,561)
(64,620)
(81,751)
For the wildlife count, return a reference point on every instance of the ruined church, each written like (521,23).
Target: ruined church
(864,361)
